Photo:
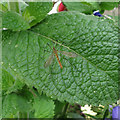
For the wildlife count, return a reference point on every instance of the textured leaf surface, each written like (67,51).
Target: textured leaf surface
(82,7)
(88,7)
(3,7)
(89,78)
(13,104)
(27,16)
(39,10)
(108,5)
(14,21)
(44,107)
(9,83)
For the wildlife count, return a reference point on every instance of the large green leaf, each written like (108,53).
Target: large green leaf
(89,78)
(14,21)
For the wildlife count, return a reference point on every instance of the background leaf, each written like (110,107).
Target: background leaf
(89,7)
(60,109)
(27,16)
(90,78)
(83,7)
(9,83)
(3,7)
(13,104)
(108,5)
(14,6)
(44,107)
(39,10)
(14,21)
(75,116)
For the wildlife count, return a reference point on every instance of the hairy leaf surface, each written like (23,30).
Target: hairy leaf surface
(89,78)
(108,5)
(14,21)
(88,7)
(82,7)
(39,10)
(9,83)
(13,104)
(44,107)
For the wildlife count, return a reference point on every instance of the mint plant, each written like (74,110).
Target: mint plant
(30,88)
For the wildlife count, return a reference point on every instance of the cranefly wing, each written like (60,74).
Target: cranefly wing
(69,54)
(49,60)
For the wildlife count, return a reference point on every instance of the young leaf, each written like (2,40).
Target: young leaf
(82,7)
(14,6)
(14,21)
(39,10)
(44,107)
(3,7)
(89,78)
(88,7)
(108,5)
(13,104)
(9,83)
(27,16)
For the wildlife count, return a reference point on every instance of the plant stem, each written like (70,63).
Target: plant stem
(65,110)
(33,93)
(22,115)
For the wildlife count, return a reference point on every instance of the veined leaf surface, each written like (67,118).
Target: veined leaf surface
(89,78)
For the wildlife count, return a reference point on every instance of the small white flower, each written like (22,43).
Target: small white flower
(101,106)
(87,110)
(118,102)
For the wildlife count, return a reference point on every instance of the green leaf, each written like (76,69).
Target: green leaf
(59,108)
(14,6)
(89,78)
(108,5)
(82,7)
(9,83)
(75,116)
(27,16)
(3,7)
(13,104)
(23,5)
(88,7)
(95,5)
(39,10)
(14,21)
(27,93)
(44,107)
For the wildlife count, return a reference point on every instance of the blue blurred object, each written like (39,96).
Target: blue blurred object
(107,119)
(116,113)
(96,13)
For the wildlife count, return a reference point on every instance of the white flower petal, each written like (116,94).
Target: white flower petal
(54,9)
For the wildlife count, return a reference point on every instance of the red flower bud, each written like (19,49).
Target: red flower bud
(62,7)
